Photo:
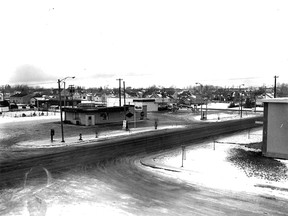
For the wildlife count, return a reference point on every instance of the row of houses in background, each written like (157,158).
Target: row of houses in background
(46,102)
(155,101)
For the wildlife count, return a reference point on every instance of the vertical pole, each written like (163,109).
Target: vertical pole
(183,154)
(201,110)
(135,119)
(124,100)
(201,101)
(255,103)
(72,91)
(119,91)
(241,104)
(206,109)
(275,88)
(64,93)
(61,118)
(124,93)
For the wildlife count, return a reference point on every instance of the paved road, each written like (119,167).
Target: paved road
(108,177)
(121,186)
(67,157)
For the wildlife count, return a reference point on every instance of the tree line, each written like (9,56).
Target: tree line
(206,90)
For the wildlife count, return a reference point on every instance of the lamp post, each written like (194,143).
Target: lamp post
(201,110)
(240,98)
(60,101)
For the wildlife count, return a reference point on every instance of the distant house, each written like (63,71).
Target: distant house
(275,128)
(20,98)
(40,102)
(87,97)
(1,97)
(4,106)
(100,99)
(103,115)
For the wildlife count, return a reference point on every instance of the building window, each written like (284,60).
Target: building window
(104,116)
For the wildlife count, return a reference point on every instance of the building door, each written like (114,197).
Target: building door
(90,120)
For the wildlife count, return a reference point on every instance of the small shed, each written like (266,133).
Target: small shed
(275,128)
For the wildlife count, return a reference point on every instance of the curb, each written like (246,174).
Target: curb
(147,161)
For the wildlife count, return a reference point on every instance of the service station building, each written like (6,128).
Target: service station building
(103,115)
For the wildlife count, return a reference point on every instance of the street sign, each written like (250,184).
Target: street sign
(129,115)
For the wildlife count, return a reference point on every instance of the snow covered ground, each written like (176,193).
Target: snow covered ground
(88,139)
(209,164)
(8,117)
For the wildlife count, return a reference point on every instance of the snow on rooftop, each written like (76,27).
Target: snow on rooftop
(275,100)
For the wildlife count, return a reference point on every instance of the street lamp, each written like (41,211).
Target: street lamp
(60,101)
(197,83)
(240,98)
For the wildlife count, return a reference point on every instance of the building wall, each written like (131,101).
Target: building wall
(4,109)
(104,117)
(151,106)
(277,130)
(111,102)
(21,100)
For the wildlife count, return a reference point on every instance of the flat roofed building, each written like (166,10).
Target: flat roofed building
(275,128)
(103,115)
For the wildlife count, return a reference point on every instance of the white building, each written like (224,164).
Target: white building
(149,102)
(114,101)
(275,128)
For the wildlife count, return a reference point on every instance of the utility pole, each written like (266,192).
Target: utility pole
(60,103)
(64,93)
(201,86)
(59,91)
(119,91)
(72,90)
(124,93)
(275,90)
(240,100)
(124,100)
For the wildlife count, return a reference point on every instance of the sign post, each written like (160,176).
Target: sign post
(124,124)
(183,154)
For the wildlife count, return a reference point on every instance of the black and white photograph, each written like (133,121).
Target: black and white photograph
(143,108)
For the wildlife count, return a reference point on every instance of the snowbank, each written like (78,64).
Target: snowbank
(208,164)
(21,116)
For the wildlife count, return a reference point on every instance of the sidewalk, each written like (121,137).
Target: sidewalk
(88,139)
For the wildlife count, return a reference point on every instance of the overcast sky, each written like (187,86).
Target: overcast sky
(166,43)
